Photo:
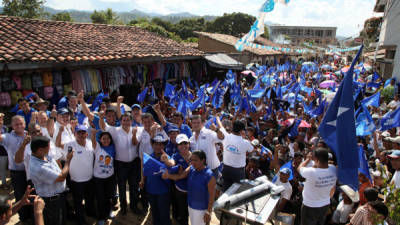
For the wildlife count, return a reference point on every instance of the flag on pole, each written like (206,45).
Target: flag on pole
(339,132)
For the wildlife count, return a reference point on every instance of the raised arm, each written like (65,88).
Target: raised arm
(93,138)
(58,138)
(102,123)
(120,99)
(85,108)
(182,175)
(65,170)
(220,134)
(275,162)
(134,138)
(50,121)
(157,109)
(19,155)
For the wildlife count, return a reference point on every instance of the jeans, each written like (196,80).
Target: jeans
(54,212)
(104,194)
(128,171)
(313,216)
(181,207)
(3,169)
(80,191)
(232,175)
(159,208)
(19,183)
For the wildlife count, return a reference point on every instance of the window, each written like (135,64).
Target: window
(307,33)
(329,33)
(318,33)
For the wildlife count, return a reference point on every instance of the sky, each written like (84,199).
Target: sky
(347,15)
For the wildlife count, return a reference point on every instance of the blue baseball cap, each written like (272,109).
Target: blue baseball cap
(136,106)
(62,111)
(80,127)
(172,128)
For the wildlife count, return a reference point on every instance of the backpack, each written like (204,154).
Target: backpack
(15,95)
(5,99)
(37,81)
(26,82)
(17,80)
(7,84)
(47,78)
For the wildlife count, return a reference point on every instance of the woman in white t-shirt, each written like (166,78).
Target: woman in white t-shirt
(103,173)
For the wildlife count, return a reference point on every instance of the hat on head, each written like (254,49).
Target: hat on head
(255,142)
(80,127)
(181,138)
(172,128)
(353,195)
(285,171)
(395,139)
(395,154)
(159,138)
(136,106)
(62,111)
(41,101)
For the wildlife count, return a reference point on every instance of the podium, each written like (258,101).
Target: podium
(253,207)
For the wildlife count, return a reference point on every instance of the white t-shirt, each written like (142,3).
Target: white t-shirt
(66,137)
(342,212)
(235,149)
(287,193)
(396,179)
(54,153)
(125,151)
(318,185)
(45,132)
(81,166)
(206,142)
(103,164)
(144,139)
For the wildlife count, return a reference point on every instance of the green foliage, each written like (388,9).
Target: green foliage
(23,8)
(392,197)
(62,16)
(266,33)
(156,29)
(388,93)
(185,28)
(105,17)
(235,24)
(192,39)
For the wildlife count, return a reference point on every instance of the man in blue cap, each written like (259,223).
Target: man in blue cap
(171,146)
(137,115)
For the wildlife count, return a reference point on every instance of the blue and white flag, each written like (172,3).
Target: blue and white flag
(151,166)
(391,120)
(364,169)
(372,100)
(339,132)
(142,96)
(288,165)
(364,123)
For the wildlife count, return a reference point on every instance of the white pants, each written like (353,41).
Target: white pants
(196,216)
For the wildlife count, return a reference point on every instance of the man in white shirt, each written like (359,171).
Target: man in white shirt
(205,139)
(234,154)
(395,161)
(81,170)
(318,187)
(283,180)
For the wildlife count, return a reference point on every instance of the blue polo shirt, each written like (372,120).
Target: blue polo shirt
(155,184)
(198,188)
(180,161)
(27,117)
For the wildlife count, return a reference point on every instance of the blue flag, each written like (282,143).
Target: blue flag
(319,110)
(142,95)
(375,77)
(264,150)
(339,132)
(364,169)
(372,100)
(169,90)
(152,166)
(294,131)
(256,93)
(287,165)
(364,123)
(391,120)
(373,84)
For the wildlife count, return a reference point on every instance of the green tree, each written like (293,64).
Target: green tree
(186,27)
(23,8)
(235,24)
(62,16)
(165,24)
(155,29)
(105,17)
(266,33)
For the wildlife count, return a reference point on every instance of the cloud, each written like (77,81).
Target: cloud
(347,15)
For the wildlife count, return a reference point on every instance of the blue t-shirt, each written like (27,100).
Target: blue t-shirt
(27,117)
(155,184)
(198,188)
(171,148)
(180,161)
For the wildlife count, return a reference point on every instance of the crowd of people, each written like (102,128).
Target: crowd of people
(205,138)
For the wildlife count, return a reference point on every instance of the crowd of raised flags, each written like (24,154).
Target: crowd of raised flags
(299,106)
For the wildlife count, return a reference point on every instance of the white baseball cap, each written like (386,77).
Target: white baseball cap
(181,138)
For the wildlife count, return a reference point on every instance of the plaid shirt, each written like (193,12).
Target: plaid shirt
(44,174)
